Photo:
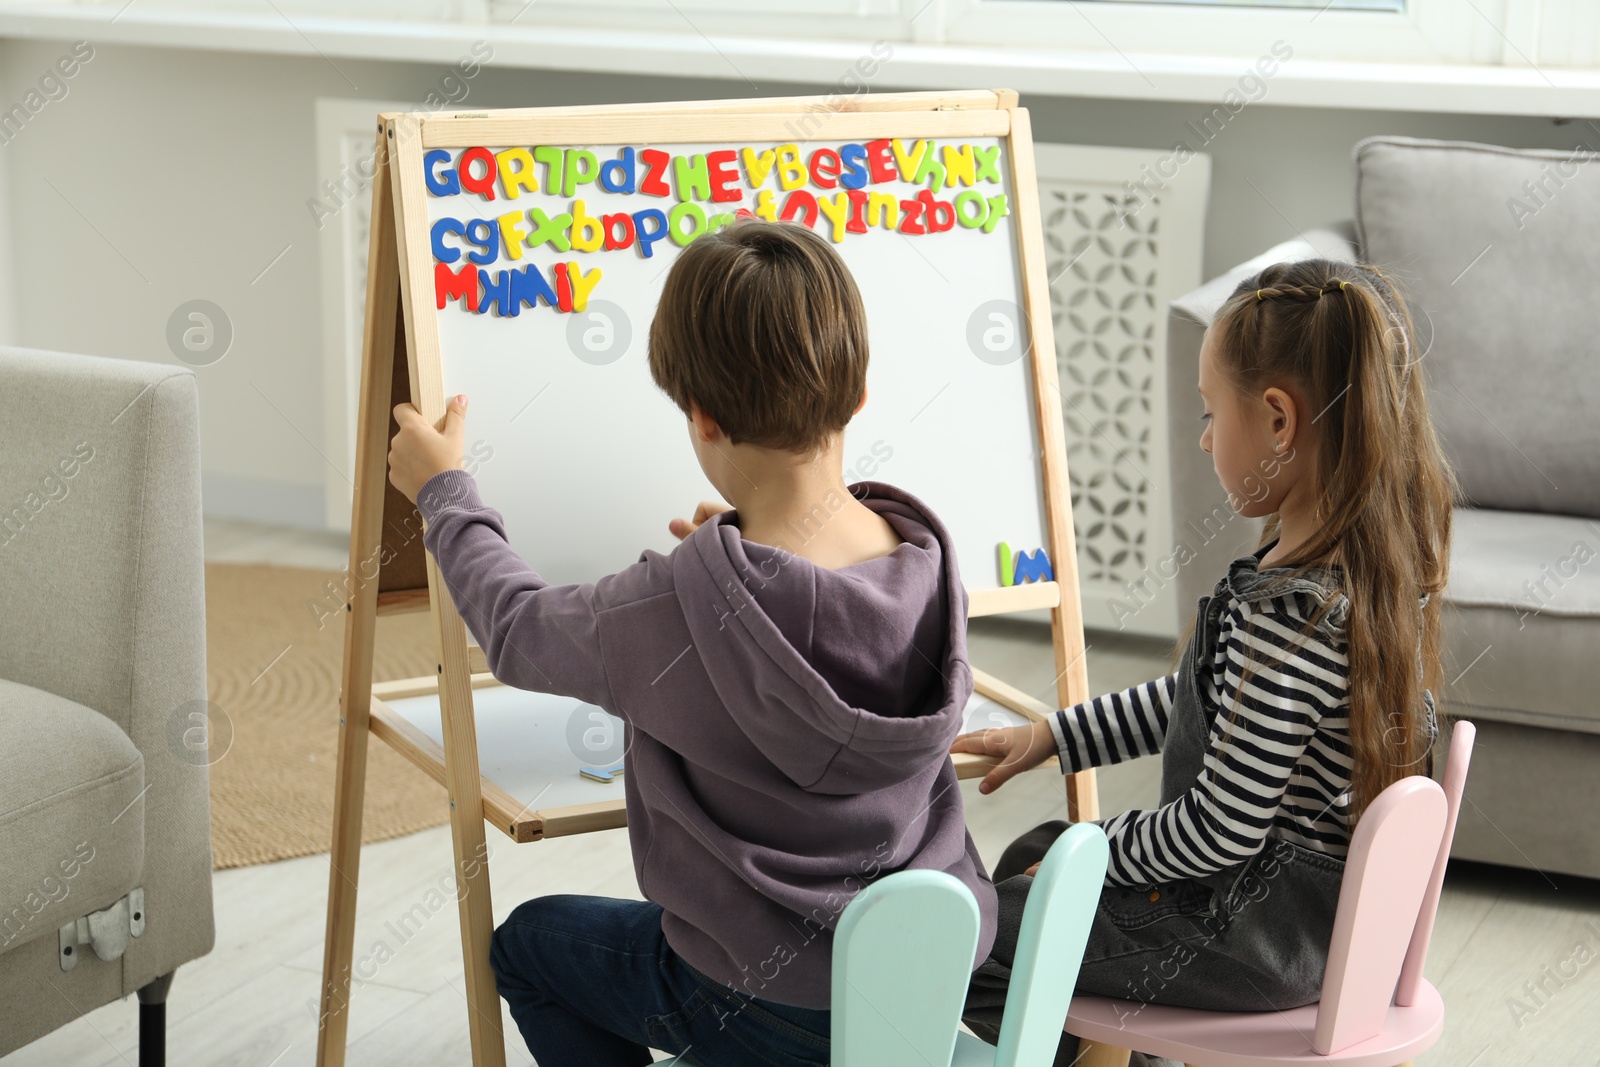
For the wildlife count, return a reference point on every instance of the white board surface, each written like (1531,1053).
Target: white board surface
(532,744)
(587,460)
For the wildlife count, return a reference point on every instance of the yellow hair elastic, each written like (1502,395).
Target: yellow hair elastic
(1258,294)
(1341,286)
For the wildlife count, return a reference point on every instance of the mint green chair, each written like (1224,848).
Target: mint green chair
(1055,928)
(904,950)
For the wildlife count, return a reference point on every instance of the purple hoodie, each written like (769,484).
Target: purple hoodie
(787,725)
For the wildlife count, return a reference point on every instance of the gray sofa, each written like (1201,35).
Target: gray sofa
(105,833)
(1499,254)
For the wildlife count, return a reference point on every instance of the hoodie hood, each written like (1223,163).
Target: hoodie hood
(847,680)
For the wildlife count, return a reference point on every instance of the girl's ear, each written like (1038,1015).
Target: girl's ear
(863,403)
(1282,415)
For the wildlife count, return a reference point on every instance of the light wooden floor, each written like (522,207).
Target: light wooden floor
(251,1002)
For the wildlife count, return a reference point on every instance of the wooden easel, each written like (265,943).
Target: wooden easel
(401,362)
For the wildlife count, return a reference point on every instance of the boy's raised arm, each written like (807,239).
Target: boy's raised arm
(534,635)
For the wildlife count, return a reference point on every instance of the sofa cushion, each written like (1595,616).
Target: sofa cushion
(1498,251)
(1522,622)
(71,827)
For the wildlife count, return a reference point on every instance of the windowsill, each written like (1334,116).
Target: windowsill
(1500,90)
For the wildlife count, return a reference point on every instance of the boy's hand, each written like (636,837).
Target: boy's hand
(682,528)
(1020,748)
(418,451)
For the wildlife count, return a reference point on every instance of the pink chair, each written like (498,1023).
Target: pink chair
(1376,1008)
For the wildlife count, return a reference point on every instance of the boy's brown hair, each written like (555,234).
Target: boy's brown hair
(760,326)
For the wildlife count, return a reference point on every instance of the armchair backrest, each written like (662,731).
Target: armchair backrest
(100,531)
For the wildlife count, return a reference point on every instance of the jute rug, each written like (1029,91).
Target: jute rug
(274,650)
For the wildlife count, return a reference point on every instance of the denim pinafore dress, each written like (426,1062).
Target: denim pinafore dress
(1251,937)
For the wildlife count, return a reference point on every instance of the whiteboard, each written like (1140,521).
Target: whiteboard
(568,437)
(532,744)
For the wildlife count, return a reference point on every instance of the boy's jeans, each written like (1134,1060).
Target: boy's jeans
(591,982)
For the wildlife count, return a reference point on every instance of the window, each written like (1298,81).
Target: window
(1318,5)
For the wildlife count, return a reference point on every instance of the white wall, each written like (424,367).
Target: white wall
(187,172)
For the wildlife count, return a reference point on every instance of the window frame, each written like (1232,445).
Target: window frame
(1428,31)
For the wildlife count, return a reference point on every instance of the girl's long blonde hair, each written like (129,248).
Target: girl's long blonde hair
(1343,335)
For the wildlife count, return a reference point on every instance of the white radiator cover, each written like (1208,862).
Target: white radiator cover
(1123,233)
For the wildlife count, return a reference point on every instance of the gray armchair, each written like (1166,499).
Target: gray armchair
(105,835)
(1499,253)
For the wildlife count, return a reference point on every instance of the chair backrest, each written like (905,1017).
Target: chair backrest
(1055,928)
(1387,871)
(1462,735)
(903,954)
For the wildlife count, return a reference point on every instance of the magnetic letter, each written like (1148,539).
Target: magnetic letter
(909,162)
(648,238)
(825,168)
(879,161)
(971,196)
(693,177)
(837,210)
(553,230)
(512,231)
(444,184)
(800,202)
(988,163)
(723,175)
(854,158)
(758,166)
(655,162)
(883,209)
(483,186)
(587,233)
(529,287)
(997,211)
(610,224)
(791,172)
(441,251)
(462,284)
(582,284)
(959,165)
(513,179)
(937,210)
(554,160)
(692,211)
(580,169)
(616,175)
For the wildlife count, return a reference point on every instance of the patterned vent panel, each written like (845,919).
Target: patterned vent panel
(1102,250)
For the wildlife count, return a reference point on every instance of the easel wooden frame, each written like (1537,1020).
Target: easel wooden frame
(399,285)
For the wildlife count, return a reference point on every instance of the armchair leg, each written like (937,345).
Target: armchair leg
(153,1021)
(1091,1054)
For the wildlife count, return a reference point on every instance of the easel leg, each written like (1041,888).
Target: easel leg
(361,617)
(344,868)
(462,777)
(467,829)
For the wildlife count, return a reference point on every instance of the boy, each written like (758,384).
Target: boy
(789,704)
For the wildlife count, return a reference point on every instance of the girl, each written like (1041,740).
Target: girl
(1305,686)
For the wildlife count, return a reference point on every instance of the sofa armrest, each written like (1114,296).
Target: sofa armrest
(1206,533)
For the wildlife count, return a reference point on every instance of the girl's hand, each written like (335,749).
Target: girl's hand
(682,528)
(418,451)
(1020,748)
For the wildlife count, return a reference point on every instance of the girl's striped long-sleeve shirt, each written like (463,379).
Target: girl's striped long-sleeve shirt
(1282,767)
